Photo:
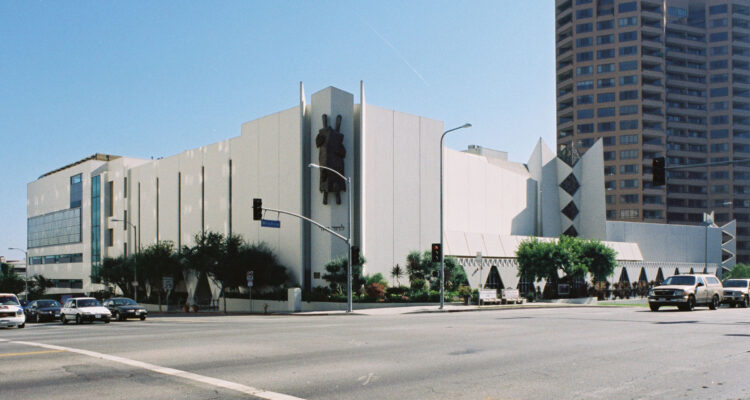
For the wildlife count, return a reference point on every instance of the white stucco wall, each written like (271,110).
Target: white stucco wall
(661,242)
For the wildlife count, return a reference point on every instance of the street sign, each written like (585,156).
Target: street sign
(250,276)
(270,223)
(167,283)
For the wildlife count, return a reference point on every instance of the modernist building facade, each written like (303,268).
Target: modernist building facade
(107,206)
(660,78)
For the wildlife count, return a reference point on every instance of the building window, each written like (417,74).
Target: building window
(629,124)
(603,54)
(604,68)
(629,184)
(604,25)
(610,155)
(583,28)
(584,56)
(95,225)
(629,198)
(719,37)
(109,239)
(605,83)
(628,95)
(628,50)
(611,214)
(606,126)
(627,21)
(125,187)
(628,36)
(584,85)
(584,70)
(585,99)
(56,228)
(76,190)
(629,80)
(610,185)
(584,42)
(605,39)
(584,13)
(108,199)
(629,169)
(719,9)
(609,141)
(605,97)
(585,128)
(627,7)
(628,65)
(605,112)
(629,110)
(610,199)
(585,114)
(629,213)
(629,139)
(628,154)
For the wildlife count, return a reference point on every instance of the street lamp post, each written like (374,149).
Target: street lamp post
(442,252)
(137,250)
(26,264)
(349,238)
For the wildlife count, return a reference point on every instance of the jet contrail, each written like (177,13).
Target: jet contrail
(395,50)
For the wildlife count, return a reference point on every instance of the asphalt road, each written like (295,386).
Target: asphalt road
(565,353)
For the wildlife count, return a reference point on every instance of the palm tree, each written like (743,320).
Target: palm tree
(397,273)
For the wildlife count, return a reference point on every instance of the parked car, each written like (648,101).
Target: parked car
(43,310)
(686,292)
(123,308)
(737,292)
(82,309)
(11,312)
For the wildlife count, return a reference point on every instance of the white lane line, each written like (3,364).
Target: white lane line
(264,394)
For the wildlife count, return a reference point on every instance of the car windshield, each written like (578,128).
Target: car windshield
(679,280)
(9,301)
(124,302)
(88,303)
(735,283)
(47,303)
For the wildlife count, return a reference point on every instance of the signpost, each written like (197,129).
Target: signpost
(250,276)
(167,282)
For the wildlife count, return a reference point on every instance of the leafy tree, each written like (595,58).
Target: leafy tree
(155,262)
(600,260)
(205,255)
(336,275)
(38,285)
(267,271)
(739,271)
(10,282)
(414,266)
(538,260)
(119,271)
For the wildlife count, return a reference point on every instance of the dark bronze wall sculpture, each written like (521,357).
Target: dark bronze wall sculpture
(331,154)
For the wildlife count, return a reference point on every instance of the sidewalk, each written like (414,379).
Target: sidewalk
(448,308)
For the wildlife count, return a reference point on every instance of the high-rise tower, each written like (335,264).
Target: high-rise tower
(656,78)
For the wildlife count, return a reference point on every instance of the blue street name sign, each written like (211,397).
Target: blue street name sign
(270,223)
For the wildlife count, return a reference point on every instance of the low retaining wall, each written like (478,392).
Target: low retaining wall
(282,307)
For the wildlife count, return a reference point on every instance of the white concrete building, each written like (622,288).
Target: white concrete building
(76,213)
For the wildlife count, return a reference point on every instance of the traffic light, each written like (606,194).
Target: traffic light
(436,251)
(257,209)
(355,255)
(658,171)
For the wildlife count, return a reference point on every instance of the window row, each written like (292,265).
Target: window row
(583,56)
(56,259)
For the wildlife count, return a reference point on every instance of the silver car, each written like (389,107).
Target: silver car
(736,292)
(686,292)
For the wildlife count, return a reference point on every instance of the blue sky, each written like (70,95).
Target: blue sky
(145,79)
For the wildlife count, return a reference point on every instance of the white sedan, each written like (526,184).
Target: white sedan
(11,312)
(82,309)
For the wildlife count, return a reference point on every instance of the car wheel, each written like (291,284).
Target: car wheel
(689,306)
(143,317)
(714,303)
(37,319)
(23,325)
(745,302)
(106,320)
(63,319)
(116,316)
(653,307)
(78,319)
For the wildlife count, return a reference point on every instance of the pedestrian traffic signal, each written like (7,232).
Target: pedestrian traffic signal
(257,209)
(658,171)
(436,252)
(355,255)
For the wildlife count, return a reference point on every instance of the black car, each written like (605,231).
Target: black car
(123,308)
(42,310)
